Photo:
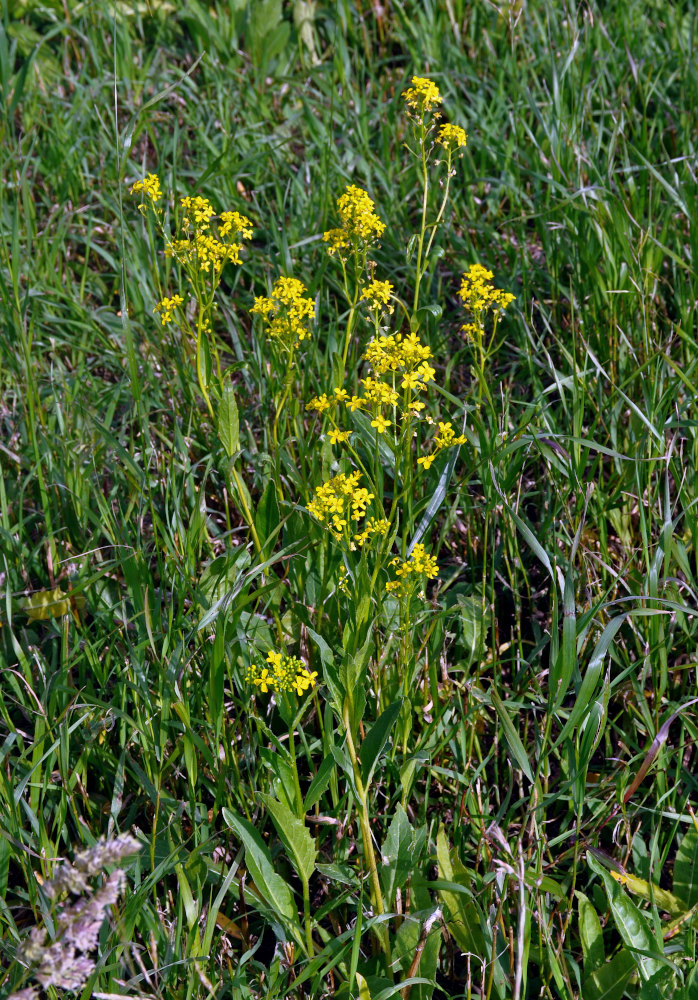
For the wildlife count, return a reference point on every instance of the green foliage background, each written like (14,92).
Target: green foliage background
(565,546)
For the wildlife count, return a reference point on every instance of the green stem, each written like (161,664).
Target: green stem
(423,227)
(366,837)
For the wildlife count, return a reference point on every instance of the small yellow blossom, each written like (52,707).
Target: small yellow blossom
(378,295)
(420,563)
(422,96)
(339,501)
(283,673)
(319,403)
(380,423)
(198,209)
(339,437)
(166,307)
(446,438)
(452,136)
(235,223)
(287,312)
(150,186)
(479,294)
(360,228)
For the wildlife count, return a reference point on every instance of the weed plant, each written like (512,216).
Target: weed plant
(348,500)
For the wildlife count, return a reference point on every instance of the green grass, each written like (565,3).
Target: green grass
(565,540)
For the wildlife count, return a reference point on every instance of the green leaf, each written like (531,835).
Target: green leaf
(397,854)
(591,934)
(511,736)
(364,992)
(319,782)
(376,739)
(461,911)
(631,924)
(267,518)
(228,420)
(609,981)
(273,888)
(686,869)
(300,846)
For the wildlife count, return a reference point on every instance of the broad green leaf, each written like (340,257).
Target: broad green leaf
(631,924)
(376,739)
(267,518)
(228,420)
(397,854)
(461,912)
(511,736)
(686,869)
(591,935)
(609,981)
(299,845)
(273,888)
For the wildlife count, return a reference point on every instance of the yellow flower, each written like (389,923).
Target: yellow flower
(319,403)
(420,563)
(233,222)
(422,96)
(378,295)
(167,306)
(380,423)
(479,294)
(284,673)
(199,209)
(150,186)
(339,437)
(338,500)
(287,312)
(452,136)
(360,228)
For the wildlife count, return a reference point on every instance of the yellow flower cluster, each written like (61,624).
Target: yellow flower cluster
(150,186)
(397,356)
(166,308)
(446,438)
(420,563)
(360,227)
(479,295)
(340,501)
(286,312)
(422,96)
(452,136)
(201,249)
(378,294)
(284,673)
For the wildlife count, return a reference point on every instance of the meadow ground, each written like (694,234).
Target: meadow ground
(349,488)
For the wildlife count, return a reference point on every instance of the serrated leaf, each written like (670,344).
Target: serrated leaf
(300,846)
(376,739)
(686,869)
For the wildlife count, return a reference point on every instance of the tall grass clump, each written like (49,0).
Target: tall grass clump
(347,513)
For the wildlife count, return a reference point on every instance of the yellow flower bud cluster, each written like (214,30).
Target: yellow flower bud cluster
(283,673)
(286,312)
(150,188)
(451,137)
(201,249)
(420,563)
(360,228)
(378,294)
(446,438)
(340,501)
(404,360)
(166,308)
(479,295)
(422,96)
